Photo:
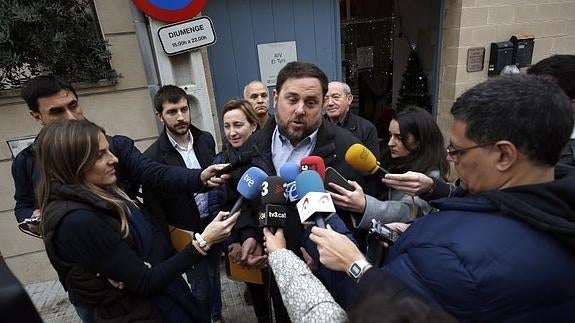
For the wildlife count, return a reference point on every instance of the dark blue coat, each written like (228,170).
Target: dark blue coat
(498,256)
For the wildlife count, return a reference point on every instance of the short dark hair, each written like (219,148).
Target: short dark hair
(561,68)
(429,153)
(43,86)
(298,70)
(531,112)
(168,93)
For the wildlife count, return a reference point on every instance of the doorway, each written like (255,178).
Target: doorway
(379,40)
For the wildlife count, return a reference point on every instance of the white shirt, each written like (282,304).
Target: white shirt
(191,161)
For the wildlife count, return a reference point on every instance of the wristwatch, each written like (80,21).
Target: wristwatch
(357,269)
(203,244)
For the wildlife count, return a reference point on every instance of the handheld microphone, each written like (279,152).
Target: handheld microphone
(313,163)
(273,212)
(249,186)
(315,202)
(289,172)
(362,159)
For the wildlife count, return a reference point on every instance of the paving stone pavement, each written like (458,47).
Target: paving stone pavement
(54,307)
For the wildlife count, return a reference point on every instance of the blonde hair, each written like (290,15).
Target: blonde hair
(65,151)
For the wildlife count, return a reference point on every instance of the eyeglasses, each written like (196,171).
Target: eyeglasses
(454,154)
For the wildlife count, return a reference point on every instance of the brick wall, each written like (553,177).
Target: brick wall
(477,23)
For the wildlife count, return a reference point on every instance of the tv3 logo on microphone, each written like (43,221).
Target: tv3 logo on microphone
(277,188)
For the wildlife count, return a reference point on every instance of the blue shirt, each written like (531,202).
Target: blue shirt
(283,151)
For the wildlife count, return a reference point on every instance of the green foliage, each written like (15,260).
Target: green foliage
(46,36)
(413,90)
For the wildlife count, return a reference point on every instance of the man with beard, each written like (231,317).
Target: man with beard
(182,144)
(256,93)
(298,130)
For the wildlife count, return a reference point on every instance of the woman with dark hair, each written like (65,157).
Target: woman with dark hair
(115,264)
(239,121)
(415,144)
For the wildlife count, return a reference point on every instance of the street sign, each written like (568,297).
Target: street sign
(186,36)
(171,10)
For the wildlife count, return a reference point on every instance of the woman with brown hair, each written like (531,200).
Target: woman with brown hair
(115,264)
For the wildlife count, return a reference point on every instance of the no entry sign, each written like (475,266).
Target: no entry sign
(171,10)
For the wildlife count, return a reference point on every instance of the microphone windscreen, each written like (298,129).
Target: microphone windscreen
(313,163)
(362,159)
(289,171)
(308,181)
(273,190)
(250,183)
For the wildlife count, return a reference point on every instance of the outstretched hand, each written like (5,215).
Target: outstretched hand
(411,183)
(219,229)
(274,241)
(336,251)
(353,201)
(209,178)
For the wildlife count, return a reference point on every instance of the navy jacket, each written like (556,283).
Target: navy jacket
(503,255)
(177,209)
(132,170)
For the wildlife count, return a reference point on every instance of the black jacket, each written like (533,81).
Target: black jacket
(84,244)
(363,130)
(332,143)
(177,209)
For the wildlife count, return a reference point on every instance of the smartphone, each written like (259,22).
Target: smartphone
(226,170)
(332,176)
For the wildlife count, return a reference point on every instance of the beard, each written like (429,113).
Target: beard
(296,136)
(179,129)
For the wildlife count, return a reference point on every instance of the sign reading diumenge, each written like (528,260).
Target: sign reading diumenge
(188,35)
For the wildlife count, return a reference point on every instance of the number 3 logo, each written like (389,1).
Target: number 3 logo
(265,188)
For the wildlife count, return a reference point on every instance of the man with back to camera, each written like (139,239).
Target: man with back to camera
(561,70)
(504,250)
(49,99)
(256,92)
(184,145)
(337,103)
(297,131)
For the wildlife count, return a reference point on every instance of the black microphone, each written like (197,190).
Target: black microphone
(273,212)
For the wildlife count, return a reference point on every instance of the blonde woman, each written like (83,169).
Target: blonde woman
(114,263)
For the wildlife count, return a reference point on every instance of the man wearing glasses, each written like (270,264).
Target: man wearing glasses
(500,249)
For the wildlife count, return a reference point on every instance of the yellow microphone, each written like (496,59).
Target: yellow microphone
(362,159)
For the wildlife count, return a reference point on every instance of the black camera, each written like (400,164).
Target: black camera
(382,232)
(379,238)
